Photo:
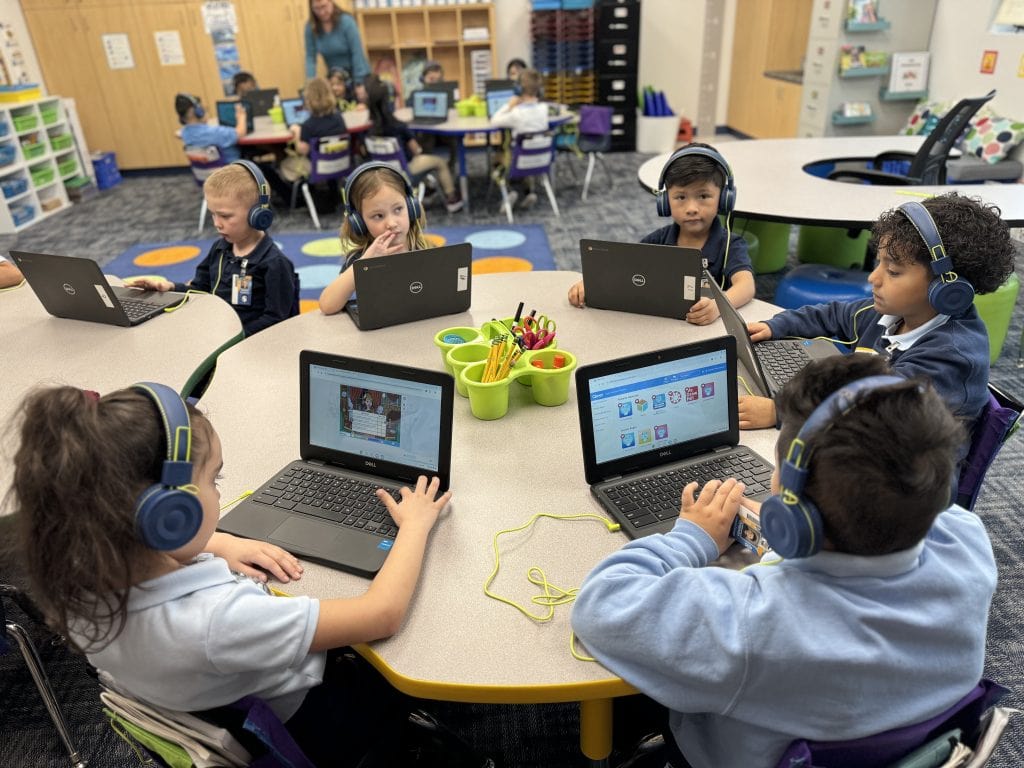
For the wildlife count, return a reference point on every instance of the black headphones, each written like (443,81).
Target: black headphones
(196,106)
(261,216)
(726,200)
(948,293)
(430,66)
(166,515)
(412,205)
(791,523)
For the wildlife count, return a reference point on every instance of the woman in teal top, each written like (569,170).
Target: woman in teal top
(333,33)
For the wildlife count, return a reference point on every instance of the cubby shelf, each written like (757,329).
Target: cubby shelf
(867,26)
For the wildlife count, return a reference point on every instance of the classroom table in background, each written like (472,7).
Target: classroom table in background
(457,644)
(459,127)
(771,183)
(41,349)
(266,132)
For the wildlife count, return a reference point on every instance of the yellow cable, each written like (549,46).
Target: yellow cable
(244,495)
(745,385)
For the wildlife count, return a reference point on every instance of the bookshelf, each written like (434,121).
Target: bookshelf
(38,153)
(459,37)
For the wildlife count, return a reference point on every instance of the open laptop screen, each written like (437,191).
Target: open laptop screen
(294,111)
(497,99)
(375,417)
(430,104)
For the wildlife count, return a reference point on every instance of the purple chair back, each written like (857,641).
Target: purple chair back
(595,120)
(882,749)
(997,422)
(532,155)
(204,161)
(330,158)
(260,720)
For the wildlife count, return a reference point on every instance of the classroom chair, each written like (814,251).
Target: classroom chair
(998,421)
(819,284)
(203,161)
(330,160)
(387,149)
(996,309)
(772,240)
(594,139)
(16,632)
(532,155)
(835,246)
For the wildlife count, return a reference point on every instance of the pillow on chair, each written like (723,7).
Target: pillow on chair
(924,117)
(992,137)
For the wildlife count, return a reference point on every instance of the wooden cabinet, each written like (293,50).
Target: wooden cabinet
(271,42)
(430,32)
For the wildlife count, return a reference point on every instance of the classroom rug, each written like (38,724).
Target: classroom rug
(317,255)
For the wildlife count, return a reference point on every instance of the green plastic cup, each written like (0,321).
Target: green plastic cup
(492,329)
(550,384)
(447,338)
(460,356)
(487,401)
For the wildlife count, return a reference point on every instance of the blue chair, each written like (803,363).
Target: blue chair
(998,421)
(819,284)
(330,159)
(532,155)
(387,149)
(203,161)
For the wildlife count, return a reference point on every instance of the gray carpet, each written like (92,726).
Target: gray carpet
(153,208)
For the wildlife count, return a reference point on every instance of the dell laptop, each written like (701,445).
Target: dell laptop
(645,279)
(654,422)
(429,106)
(363,425)
(411,286)
(497,94)
(76,288)
(770,363)
(295,112)
(261,99)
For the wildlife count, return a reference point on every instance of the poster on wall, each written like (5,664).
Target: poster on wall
(222,25)
(988,62)
(168,48)
(908,72)
(119,51)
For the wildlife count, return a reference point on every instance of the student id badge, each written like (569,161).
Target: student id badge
(241,288)
(746,529)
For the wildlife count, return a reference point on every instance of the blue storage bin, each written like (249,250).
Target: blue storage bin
(4,128)
(15,186)
(22,213)
(105,166)
(7,154)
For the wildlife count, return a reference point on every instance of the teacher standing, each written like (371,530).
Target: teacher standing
(333,33)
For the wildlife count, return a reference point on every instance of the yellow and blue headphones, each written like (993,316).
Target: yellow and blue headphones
(790,522)
(196,106)
(412,205)
(948,293)
(261,216)
(168,514)
(726,201)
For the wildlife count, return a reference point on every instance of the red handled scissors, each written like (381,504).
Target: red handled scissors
(536,332)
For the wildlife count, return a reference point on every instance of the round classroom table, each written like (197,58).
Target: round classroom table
(457,644)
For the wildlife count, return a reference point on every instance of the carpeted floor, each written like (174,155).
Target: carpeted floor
(163,208)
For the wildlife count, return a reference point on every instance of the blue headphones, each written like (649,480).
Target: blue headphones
(260,215)
(727,199)
(166,516)
(412,205)
(791,523)
(196,106)
(948,293)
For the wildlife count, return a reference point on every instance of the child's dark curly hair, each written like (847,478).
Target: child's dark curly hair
(975,238)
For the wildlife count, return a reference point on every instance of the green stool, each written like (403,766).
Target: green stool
(844,248)
(773,243)
(995,309)
(753,247)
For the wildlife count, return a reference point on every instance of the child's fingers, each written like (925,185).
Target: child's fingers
(688,490)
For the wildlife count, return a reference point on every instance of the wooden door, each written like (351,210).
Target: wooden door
(271,43)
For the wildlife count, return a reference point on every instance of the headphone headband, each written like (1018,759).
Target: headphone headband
(355,219)
(948,293)
(260,215)
(727,197)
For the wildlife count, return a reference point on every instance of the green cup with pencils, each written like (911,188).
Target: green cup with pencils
(488,400)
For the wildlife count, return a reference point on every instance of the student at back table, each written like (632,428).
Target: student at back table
(875,619)
(697,185)
(198,133)
(522,114)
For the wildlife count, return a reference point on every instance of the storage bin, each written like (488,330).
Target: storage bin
(22,213)
(49,115)
(105,166)
(4,128)
(67,167)
(60,142)
(41,175)
(7,154)
(25,122)
(32,151)
(13,186)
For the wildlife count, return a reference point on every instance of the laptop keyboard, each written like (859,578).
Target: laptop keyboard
(655,498)
(333,497)
(135,309)
(783,360)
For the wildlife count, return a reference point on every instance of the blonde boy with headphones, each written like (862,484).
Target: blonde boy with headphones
(244,266)
(869,613)
(696,185)
(933,256)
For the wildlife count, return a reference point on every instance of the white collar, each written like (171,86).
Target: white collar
(904,341)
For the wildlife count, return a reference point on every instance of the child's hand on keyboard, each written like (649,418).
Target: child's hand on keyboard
(419,507)
(714,508)
(759,331)
(255,558)
(150,284)
(756,412)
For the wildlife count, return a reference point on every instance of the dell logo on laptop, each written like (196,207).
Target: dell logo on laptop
(639,281)
(416,287)
(370,463)
(664,453)
(69,289)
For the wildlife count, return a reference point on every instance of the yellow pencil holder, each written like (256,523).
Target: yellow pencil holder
(489,400)
(463,355)
(449,338)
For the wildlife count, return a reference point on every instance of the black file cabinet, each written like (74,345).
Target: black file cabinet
(616,63)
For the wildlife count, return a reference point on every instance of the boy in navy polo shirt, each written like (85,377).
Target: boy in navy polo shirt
(696,186)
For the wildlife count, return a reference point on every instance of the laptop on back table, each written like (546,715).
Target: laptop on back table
(363,425)
(642,278)
(430,106)
(411,286)
(76,288)
(770,363)
(295,112)
(653,422)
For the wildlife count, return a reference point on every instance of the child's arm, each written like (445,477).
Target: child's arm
(278,296)
(741,287)
(241,120)
(757,412)
(10,275)
(576,294)
(302,147)
(254,558)
(149,284)
(380,611)
(337,293)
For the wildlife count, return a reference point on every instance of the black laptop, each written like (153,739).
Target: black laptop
(226,114)
(645,279)
(363,425)
(411,286)
(76,288)
(651,423)
(261,99)
(429,106)
(770,363)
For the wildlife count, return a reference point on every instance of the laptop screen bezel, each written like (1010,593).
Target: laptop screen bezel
(295,111)
(595,472)
(418,96)
(399,473)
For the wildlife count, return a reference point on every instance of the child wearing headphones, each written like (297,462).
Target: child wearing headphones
(523,113)
(123,558)
(324,118)
(382,217)
(876,617)
(338,78)
(921,315)
(195,131)
(244,266)
(696,186)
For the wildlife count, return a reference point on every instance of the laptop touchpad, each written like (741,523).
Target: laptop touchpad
(305,536)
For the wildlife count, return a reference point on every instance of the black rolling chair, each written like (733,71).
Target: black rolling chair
(928,164)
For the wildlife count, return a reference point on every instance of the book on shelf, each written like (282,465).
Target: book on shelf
(855,109)
(908,72)
(862,11)
(852,57)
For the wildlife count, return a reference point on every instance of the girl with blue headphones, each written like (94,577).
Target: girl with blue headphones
(117,504)
(382,217)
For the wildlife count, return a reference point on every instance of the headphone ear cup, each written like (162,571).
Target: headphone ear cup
(167,518)
(664,207)
(412,203)
(355,222)
(260,218)
(951,298)
(727,199)
(791,530)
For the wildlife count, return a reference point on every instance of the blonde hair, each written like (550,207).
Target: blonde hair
(319,97)
(529,82)
(235,181)
(367,185)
